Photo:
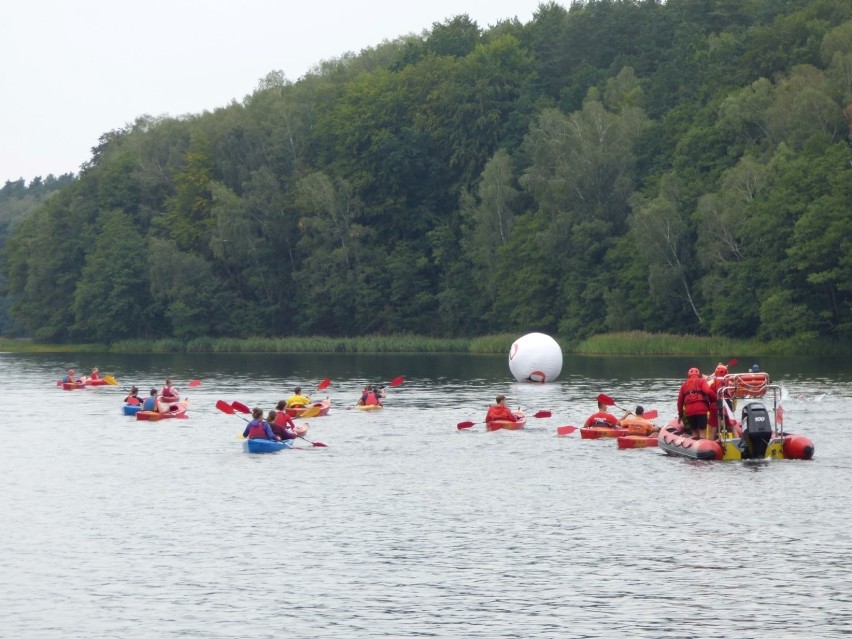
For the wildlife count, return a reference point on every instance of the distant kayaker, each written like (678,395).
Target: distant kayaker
(169,392)
(69,377)
(499,411)
(258,428)
(133,398)
(602,418)
(636,424)
(694,401)
(371,396)
(151,403)
(95,375)
(297,399)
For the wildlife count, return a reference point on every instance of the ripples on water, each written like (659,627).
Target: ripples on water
(405,526)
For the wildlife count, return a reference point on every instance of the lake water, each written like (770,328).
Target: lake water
(405,526)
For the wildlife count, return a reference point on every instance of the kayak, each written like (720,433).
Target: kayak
(598,432)
(636,441)
(71,385)
(505,424)
(266,445)
(130,410)
(368,407)
(95,382)
(297,411)
(175,411)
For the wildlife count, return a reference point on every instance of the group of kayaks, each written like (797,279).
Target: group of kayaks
(757,434)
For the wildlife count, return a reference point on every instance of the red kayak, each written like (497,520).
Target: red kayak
(177,411)
(597,432)
(71,385)
(505,424)
(297,411)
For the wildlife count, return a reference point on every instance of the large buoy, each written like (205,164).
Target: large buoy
(535,357)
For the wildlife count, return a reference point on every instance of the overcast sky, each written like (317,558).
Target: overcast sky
(71,71)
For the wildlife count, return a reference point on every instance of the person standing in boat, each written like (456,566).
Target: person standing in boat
(133,398)
(694,401)
(297,399)
(151,403)
(601,418)
(258,428)
(636,424)
(717,383)
(169,392)
(500,411)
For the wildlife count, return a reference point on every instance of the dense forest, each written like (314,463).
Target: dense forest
(613,165)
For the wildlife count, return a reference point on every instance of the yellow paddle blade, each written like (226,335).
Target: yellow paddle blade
(313,411)
(109,379)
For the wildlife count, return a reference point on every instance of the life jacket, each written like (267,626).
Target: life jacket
(132,401)
(637,425)
(499,412)
(602,419)
(695,400)
(169,394)
(256,430)
(372,399)
(150,403)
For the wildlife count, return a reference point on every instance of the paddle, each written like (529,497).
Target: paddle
(324,384)
(396,381)
(109,379)
(609,401)
(565,430)
(313,411)
(242,408)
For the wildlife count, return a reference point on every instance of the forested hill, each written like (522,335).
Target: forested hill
(682,167)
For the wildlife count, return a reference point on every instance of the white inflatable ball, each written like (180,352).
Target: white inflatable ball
(535,357)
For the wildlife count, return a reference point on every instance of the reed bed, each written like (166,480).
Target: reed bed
(643,343)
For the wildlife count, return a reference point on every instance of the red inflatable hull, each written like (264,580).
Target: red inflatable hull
(798,447)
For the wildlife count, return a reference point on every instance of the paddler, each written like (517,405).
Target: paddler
(500,411)
(169,392)
(151,403)
(69,377)
(133,398)
(601,418)
(636,424)
(297,399)
(258,428)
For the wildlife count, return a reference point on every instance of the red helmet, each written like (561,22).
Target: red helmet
(693,372)
(721,370)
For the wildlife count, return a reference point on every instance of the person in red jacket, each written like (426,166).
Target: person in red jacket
(500,411)
(601,418)
(694,401)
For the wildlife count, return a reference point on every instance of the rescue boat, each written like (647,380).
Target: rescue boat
(758,434)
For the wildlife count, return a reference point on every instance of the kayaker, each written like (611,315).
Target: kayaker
(169,392)
(694,401)
(500,411)
(258,428)
(151,403)
(133,398)
(636,424)
(96,374)
(602,418)
(69,377)
(281,424)
(371,396)
(297,399)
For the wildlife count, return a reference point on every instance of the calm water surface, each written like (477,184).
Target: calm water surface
(403,526)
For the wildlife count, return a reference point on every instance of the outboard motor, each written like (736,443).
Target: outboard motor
(757,430)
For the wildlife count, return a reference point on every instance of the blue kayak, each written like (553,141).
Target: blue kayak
(132,410)
(266,445)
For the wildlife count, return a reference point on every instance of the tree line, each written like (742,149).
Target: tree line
(614,165)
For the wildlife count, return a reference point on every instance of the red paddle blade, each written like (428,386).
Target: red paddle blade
(650,414)
(606,399)
(396,381)
(733,362)
(463,425)
(565,430)
(194,383)
(318,444)
(542,413)
(225,407)
(240,407)
(324,384)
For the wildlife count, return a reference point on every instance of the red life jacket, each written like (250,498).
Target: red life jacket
(372,399)
(695,400)
(133,401)
(256,430)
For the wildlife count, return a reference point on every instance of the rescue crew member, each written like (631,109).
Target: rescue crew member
(694,401)
(717,383)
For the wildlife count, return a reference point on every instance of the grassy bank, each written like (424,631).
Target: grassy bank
(627,343)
